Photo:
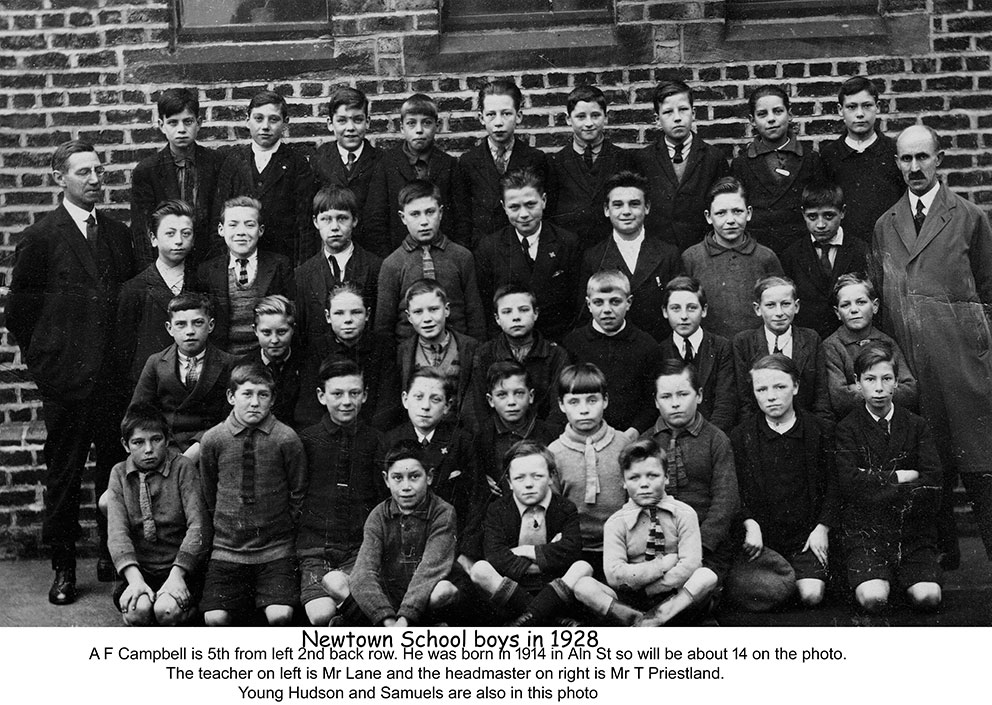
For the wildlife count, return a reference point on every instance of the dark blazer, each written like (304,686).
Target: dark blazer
(501,533)
(329,170)
(657,263)
(314,281)
(384,231)
(154,180)
(142,313)
(801,263)
(714,363)
(63,301)
(483,193)
(189,412)
(576,195)
(274,276)
(285,190)
(677,206)
(553,276)
(807,353)
(287,382)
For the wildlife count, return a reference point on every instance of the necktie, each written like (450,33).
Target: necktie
(426,442)
(656,540)
(919,217)
(92,231)
(677,478)
(689,356)
(192,372)
(776,350)
(677,157)
(592,477)
(243,273)
(428,263)
(350,164)
(825,265)
(335,268)
(187,180)
(525,246)
(587,157)
(501,159)
(884,425)
(248,467)
(145,502)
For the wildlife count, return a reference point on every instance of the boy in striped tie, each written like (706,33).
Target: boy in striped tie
(652,550)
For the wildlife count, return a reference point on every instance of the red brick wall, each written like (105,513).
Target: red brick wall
(91,69)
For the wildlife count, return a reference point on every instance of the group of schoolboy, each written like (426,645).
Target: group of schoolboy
(427,415)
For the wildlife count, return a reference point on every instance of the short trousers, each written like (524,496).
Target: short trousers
(900,557)
(241,587)
(314,568)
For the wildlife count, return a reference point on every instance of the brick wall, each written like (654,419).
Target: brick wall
(92,68)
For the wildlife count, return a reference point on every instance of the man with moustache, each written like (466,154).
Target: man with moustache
(932,253)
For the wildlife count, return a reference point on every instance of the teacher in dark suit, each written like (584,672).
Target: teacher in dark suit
(68,271)
(932,252)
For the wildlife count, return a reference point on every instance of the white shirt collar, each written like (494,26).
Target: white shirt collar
(78,215)
(784,340)
(837,240)
(686,144)
(596,327)
(544,503)
(344,152)
(696,339)
(536,236)
(341,257)
(172,276)
(184,359)
(927,199)
(421,437)
(266,360)
(494,148)
(257,149)
(232,261)
(888,416)
(861,146)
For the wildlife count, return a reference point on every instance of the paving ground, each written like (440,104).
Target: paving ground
(967,600)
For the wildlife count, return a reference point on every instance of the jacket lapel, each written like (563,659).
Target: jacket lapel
(801,349)
(939,216)
(168,372)
(266,270)
(691,162)
(77,242)
(167,173)
(661,156)
(157,288)
(647,259)
(904,224)
(209,372)
(274,171)
(704,359)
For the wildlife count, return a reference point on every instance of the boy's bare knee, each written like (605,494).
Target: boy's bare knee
(701,584)
(585,587)
(873,595)
(321,611)
(279,615)
(336,585)
(925,596)
(444,593)
(167,611)
(811,591)
(485,576)
(142,615)
(577,571)
(217,618)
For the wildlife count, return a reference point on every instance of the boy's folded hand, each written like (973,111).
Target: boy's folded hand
(132,593)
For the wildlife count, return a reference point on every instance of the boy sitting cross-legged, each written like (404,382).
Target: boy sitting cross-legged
(158,548)
(254,474)
(652,554)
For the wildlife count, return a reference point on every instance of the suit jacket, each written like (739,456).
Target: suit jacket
(189,412)
(936,292)
(553,276)
(329,170)
(285,190)
(657,263)
(287,382)
(274,276)
(142,313)
(576,195)
(154,180)
(63,302)
(484,196)
(807,353)
(501,533)
(714,363)
(677,206)
(313,283)
(384,231)
(801,263)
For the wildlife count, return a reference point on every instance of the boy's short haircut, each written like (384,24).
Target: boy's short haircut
(243,202)
(338,367)
(348,97)
(667,90)
(853,279)
(626,179)
(346,287)
(764,92)
(253,372)
(676,367)
(823,194)
(447,382)
(175,100)
(514,288)
(275,305)
(502,370)
(65,150)
(419,104)
(332,198)
(766,283)
(777,362)
(724,185)
(144,416)
(585,94)
(644,449)
(856,85)
(581,378)
(684,283)
(166,208)
(501,86)
(269,98)
(418,188)
(527,448)
(872,354)
(404,449)
(522,178)
(606,280)
(190,301)
(425,286)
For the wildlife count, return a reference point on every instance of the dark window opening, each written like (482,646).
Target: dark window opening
(464,15)
(257,19)
(791,9)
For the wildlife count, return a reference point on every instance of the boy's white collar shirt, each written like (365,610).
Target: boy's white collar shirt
(888,416)
(173,276)
(927,199)
(344,152)
(523,508)
(78,215)
(421,437)
(580,147)
(696,339)
(784,341)
(184,363)
(342,258)
(861,146)
(836,241)
(494,149)
(599,329)
(266,360)
(684,151)
(532,241)
(263,156)
(252,265)
(629,249)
